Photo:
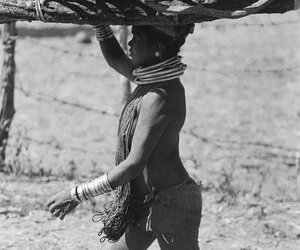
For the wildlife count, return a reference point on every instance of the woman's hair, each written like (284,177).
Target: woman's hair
(168,43)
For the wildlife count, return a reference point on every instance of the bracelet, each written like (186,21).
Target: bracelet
(74,194)
(103,32)
(91,189)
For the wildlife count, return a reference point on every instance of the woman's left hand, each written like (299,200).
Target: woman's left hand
(61,204)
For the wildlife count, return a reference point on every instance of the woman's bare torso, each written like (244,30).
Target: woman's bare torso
(164,167)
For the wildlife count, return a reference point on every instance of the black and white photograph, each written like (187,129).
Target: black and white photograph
(150,124)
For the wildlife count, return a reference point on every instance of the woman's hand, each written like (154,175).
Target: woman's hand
(61,204)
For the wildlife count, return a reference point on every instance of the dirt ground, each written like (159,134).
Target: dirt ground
(240,137)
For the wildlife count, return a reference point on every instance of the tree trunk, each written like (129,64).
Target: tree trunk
(8,85)
(297,161)
(136,12)
(297,4)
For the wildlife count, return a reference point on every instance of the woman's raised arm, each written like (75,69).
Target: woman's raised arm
(112,51)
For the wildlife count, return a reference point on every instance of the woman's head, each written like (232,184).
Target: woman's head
(152,44)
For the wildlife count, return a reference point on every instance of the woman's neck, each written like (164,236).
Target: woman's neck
(169,69)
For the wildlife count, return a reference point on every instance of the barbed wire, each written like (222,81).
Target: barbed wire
(235,23)
(276,158)
(286,159)
(50,99)
(287,69)
(265,156)
(227,73)
(283,155)
(247,143)
(59,146)
(218,142)
(54,145)
(64,51)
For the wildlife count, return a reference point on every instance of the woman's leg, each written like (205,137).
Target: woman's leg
(133,239)
(167,243)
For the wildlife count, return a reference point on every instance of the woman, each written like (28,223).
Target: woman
(155,197)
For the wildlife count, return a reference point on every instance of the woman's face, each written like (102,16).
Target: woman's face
(141,49)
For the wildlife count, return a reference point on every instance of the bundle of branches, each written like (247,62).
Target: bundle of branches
(135,12)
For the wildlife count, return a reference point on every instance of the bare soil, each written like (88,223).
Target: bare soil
(240,137)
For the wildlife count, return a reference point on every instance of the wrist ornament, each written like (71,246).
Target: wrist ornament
(91,189)
(103,32)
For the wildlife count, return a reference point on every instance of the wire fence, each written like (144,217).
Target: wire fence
(63,50)
(58,146)
(227,72)
(52,99)
(285,155)
(235,24)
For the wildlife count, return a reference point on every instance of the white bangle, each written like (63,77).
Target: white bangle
(74,194)
(91,189)
(103,32)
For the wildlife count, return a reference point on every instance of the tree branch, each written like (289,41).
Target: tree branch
(136,12)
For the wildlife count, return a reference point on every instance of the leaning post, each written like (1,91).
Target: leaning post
(123,80)
(7,85)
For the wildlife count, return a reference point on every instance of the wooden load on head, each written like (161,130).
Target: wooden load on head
(136,12)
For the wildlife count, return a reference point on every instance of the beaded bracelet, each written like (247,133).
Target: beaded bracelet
(91,189)
(103,32)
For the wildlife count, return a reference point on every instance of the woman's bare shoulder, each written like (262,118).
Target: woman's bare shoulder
(168,91)
(165,97)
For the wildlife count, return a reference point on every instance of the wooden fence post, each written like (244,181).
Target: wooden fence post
(7,85)
(123,80)
(296,4)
